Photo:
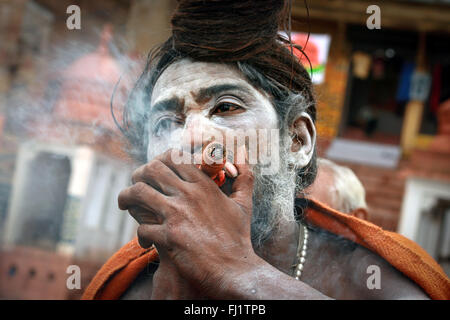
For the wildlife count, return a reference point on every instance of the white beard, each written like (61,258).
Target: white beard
(273,200)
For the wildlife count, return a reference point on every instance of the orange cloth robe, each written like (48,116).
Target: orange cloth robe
(119,272)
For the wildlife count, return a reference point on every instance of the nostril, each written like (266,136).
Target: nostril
(32,273)
(51,276)
(12,270)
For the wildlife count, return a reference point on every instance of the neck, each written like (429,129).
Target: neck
(281,249)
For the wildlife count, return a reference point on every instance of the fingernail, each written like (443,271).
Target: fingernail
(231,169)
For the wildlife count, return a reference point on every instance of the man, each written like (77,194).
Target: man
(225,69)
(338,187)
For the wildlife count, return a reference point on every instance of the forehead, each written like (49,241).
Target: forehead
(186,77)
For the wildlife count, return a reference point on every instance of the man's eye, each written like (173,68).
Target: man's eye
(227,107)
(165,125)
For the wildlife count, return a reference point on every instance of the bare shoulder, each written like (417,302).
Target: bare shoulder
(343,269)
(142,286)
(380,280)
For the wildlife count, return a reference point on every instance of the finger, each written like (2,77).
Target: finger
(242,188)
(143,216)
(230,170)
(149,234)
(159,176)
(182,163)
(144,196)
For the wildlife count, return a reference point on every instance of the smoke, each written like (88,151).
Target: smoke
(57,111)
(68,100)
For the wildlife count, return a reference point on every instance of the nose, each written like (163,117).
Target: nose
(197,133)
(192,138)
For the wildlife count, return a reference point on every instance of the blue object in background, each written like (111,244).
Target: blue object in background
(404,84)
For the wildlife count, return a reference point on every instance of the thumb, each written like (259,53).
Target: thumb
(242,188)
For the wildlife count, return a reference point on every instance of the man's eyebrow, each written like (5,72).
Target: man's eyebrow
(172,104)
(209,92)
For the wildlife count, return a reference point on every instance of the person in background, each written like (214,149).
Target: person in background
(339,187)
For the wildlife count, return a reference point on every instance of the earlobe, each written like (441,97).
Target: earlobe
(360,213)
(303,133)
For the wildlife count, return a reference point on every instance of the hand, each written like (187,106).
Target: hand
(204,233)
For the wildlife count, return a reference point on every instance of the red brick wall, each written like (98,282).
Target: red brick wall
(30,273)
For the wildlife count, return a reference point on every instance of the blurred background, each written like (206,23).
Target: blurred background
(383,102)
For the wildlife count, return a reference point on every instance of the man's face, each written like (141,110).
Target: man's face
(192,98)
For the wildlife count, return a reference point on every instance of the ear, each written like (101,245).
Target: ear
(303,133)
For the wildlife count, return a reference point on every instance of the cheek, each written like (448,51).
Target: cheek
(154,148)
(159,145)
(251,119)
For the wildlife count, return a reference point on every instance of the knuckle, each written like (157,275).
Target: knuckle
(249,176)
(151,168)
(166,157)
(195,191)
(208,186)
(172,209)
(137,174)
(139,189)
(174,156)
(173,232)
(168,153)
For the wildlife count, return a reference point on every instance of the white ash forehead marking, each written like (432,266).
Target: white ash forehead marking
(184,77)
